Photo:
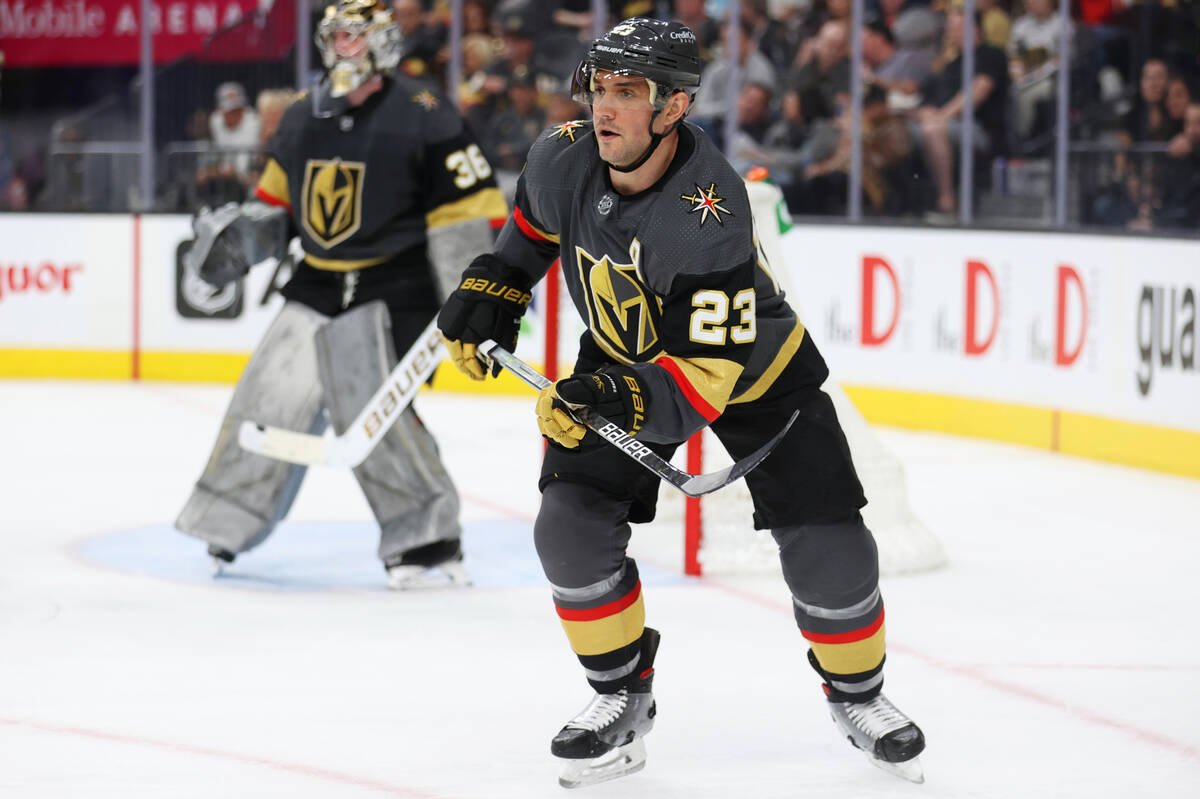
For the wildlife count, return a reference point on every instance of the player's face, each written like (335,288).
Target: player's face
(621,112)
(349,45)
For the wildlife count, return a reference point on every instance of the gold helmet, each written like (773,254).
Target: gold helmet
(381,52)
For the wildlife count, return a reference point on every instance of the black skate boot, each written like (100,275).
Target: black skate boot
(604,741)
(888,738)
(436,565)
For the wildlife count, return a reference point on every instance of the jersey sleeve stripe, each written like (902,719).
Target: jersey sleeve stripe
(529,230)
(781,360)
(694,397)
(273,185)
(487,203)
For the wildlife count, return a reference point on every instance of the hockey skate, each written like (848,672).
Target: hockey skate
(219,558)
(888,738)
(604,741)
(428,567)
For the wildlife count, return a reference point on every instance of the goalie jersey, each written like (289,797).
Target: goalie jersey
(365,185)
(671,280)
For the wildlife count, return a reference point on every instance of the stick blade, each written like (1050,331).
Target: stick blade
(287,445)
(701,484)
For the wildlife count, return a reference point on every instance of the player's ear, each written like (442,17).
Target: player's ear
(676,107)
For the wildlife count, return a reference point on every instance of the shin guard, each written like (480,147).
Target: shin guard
(833,573)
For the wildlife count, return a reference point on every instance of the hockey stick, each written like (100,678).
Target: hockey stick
(694,485)
(376,418)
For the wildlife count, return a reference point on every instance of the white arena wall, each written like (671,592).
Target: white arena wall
(1082,344)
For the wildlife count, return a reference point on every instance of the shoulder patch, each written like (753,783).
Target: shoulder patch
(706,201)
(426,99)
(566,129)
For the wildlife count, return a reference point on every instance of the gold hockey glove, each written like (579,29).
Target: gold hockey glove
(489,302)
(614,392)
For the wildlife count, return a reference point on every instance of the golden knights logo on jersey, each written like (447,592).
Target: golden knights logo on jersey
(622,314)
(332,196)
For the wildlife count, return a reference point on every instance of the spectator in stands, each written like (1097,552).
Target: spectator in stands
(1032,58)
(768,35)
(825,65)
(234,129)
(898,72)
(1146,120)
(478,54)
(708,33)
(711,100)
(423,40)
(1034,38)
(1179,204)
(940,116)
(1179,97)
(235,126)
(914,25)
(510,132)
(805,134)
(1126,199)
(476,18)
(994,22)
(886,144)
(513,57)
(754,119)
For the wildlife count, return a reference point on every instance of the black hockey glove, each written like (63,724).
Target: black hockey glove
(489,302)
(614,392)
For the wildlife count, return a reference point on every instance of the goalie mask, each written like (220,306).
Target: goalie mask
(664,53)
(357,39)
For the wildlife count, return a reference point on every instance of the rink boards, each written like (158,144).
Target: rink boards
(1083,344)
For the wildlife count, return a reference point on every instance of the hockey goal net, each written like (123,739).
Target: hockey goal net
(717,531)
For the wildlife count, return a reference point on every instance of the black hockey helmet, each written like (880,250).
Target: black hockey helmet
(664,53)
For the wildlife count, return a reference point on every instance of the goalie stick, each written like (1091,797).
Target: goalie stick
(376,418)
(694,485)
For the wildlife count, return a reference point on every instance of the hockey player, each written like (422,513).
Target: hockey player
(686,328)
(383,183)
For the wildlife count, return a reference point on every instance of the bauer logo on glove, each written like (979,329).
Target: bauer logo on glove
(499,290)
(488,304)
(614,392)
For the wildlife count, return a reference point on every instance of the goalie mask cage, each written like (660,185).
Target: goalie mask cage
(717,530)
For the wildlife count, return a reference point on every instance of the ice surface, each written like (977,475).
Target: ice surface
(1056,656)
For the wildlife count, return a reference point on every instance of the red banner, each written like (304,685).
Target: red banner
(38,33)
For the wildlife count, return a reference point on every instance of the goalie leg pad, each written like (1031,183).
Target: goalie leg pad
(240,497)
(833,573)
(404,480)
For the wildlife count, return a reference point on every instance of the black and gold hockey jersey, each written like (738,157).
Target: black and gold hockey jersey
(365,185)
(670,280)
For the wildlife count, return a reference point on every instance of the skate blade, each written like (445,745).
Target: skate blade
(218,566)
(623,760)
(443,575)
(909,770)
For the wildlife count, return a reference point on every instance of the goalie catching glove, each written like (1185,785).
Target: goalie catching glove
(233,238)
(489,302)
(614,392)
